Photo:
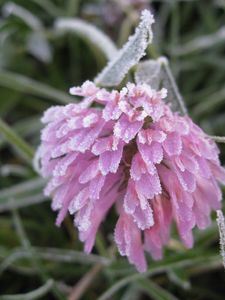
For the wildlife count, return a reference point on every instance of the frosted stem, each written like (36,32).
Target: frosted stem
(221,226)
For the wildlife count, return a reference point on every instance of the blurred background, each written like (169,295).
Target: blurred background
(40,58)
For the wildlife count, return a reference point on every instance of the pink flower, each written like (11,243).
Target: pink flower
(131,150)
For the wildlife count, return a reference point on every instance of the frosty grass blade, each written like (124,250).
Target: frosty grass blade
(89,32)
(30,19)
(129,55)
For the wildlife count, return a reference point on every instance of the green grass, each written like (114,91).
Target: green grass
(37,66)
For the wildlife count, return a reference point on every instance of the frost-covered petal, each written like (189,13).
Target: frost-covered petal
(128,240)
(127,130)
(173,144)
(151,153)
(109,161)
(148,186)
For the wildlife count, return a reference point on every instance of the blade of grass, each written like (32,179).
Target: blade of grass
(49,7)
(24,188)
(132,293)
(35,261)
(155,291)
(52,254)
(35,294)
(23,202)
(176,276)
(14,169)
(16,141)
(25,15)
(210,103)
(201,43)
(27,85)
(178,261)
(87,31)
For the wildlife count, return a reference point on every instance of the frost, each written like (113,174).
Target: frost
(149,72)
(89,120)
(36,160)
(174,97)
(221,226)
(129,55)
(36,37)
(157,73)
(30,19)
(89,32)
(43,52)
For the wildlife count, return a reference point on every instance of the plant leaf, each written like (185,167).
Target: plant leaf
(65,256)
(16,141)
(155,291)
(221,226)
(35,294)
(22,189)
(173,97)
(183,260)
(87,31)
(129,55)
(25,84)
(39,47)
(156,73)
(200,43)
(5,205)
(49,7)
(25,15)
(149,72)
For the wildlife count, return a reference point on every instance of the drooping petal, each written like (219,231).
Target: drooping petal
(109,161)
(128,240)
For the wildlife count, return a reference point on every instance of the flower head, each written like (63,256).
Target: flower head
(133,151)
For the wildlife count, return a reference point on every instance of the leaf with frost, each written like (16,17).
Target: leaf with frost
(173,95)
(37,43)
(218,139)
(35,294)
(157,73)
(31,20)
(129,55)
(221,225)
(149,72)
(89,32)
(39,47)
(200,43)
